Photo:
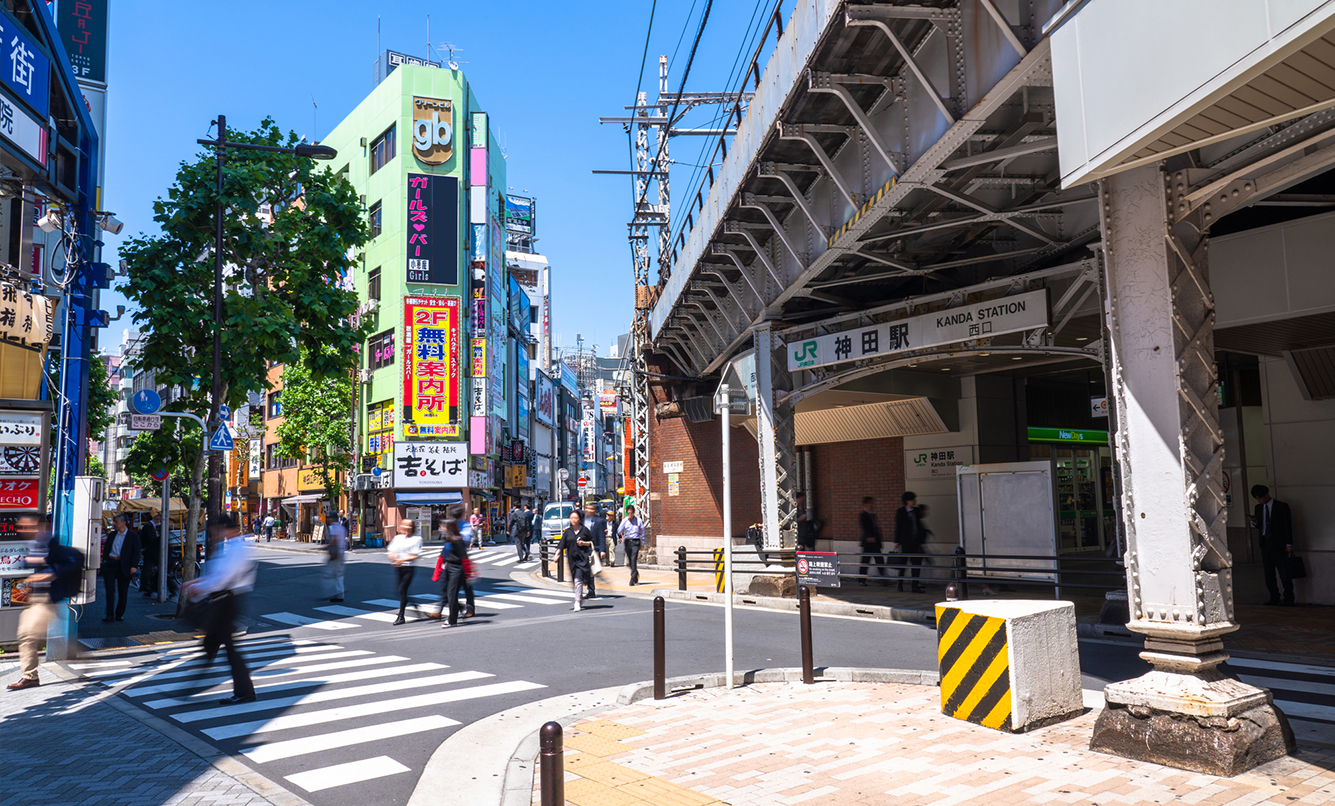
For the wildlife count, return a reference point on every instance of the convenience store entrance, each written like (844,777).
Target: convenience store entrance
(1086,501)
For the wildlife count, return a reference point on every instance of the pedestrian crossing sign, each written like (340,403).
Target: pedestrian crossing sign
(222,439)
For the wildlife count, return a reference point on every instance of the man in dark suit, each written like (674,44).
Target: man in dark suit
(909,536)
(149,546)
(1274,521)
(120,562)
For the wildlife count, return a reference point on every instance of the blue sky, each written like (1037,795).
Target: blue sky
(544,71)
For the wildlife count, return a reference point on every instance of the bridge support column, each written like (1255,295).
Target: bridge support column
(1185,713)
(778,450)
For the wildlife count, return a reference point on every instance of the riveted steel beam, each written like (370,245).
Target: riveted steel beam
(736,228)
(753,202)
(833,83)
(768,171)
(873,16)
(799,133)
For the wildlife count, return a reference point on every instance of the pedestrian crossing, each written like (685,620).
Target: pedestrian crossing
(1304,692)
(489,594)
(495,557)
(324,716)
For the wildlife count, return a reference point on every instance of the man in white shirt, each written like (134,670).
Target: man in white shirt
(631,532)
(404,550)
(268,528)
(230,572)
(337,544)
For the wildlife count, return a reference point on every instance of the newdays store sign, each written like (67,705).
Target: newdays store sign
(979,320)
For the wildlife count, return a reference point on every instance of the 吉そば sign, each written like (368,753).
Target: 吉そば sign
(979,320)
(431,464)
(431,366)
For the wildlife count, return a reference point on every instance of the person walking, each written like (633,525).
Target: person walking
(150,547)
(268,527)
(1274,521)
(577,545)
(404,550)
(871,541)
(910,534)
(336,544)
(631,532)
(807,526)
(514,526)
(597,526)
(120,563)
(479,524)
(58,572)
(453,575)
(525,533)
(227,575)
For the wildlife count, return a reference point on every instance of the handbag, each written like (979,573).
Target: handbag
(595,564)
(1295,567)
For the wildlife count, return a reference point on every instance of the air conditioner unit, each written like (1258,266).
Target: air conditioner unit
(363,376)
(372,305)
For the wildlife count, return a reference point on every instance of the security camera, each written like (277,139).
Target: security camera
(49,222)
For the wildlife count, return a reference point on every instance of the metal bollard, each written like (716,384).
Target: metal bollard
(542,552)
(560,568)
(551,765)
(961,573)
(660,662)
(681,568)
(804,616)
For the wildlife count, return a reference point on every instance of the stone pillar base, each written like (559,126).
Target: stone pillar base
(1224,746)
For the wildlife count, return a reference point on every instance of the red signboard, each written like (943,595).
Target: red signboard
(19,494)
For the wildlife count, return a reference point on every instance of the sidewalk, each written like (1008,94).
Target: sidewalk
(66,745)
(1308,631)
(876,743)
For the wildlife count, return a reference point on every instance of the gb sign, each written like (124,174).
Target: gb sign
(433,134)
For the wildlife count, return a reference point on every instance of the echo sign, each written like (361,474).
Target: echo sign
(433,136)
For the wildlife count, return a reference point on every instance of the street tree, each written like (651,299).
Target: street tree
(290,229)
(317,423)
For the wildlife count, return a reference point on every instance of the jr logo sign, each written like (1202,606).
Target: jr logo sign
(806,356)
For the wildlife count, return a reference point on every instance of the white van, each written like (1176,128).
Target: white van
(555,518)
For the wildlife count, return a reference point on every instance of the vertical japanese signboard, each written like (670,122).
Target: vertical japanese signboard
(25,70)
(433,229)
(83,29)
(431,366)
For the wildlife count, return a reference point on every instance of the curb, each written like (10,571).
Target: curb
(229,765)
(879,612)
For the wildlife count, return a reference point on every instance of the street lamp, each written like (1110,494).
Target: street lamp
(312,151)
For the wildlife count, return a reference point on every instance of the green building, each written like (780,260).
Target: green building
(432,283)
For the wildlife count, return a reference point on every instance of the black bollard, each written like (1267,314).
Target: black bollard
(804,616)
(542,552)
(551,766)
(560,568)
(660,662)
(681,568)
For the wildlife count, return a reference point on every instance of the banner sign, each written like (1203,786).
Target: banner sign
(25,70)
(477,406)
(431,464)
(431,366)
(979,320)
(83,29)
(17,495)
(544,400)
(607,402)
(479,363)
(519,214)
(433,229)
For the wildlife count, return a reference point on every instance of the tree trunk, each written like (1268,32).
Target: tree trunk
(192,522)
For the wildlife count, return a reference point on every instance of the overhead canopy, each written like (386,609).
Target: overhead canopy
(309,498)
(153,505)
(432,497)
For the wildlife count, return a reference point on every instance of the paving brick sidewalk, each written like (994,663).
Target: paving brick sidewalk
(64,746)
(860,743)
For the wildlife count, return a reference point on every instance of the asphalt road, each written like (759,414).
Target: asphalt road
(351,707)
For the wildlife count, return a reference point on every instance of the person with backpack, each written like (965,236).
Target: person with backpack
(58,572)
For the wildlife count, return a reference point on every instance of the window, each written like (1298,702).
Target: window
(376,218)
(275,407)
(382,150)
(380,350)
(373,284)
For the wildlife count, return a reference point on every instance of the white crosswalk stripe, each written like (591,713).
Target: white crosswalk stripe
(306,621)
(352,612)
(349,706)
(510,597)
(1304,692)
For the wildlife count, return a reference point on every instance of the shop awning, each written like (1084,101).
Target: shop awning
(304,499)
(428,498)
(485,496)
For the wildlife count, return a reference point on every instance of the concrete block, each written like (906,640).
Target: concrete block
(1010,665)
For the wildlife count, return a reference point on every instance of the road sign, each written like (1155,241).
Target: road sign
(160,474)
(376,471)
(222,439)
(145,422)
(225,412)
(583,482)
(737,400)
(146,401)
(562,474)
(818,569)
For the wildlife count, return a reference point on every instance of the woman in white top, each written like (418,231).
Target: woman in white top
(404,550)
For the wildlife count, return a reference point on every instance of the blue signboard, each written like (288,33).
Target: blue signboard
(146,401)
(24,68)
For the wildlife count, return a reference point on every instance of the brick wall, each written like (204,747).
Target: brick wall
(845,472)
(695,517)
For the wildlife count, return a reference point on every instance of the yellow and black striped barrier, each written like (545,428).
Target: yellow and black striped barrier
(974,660)
(718,570)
